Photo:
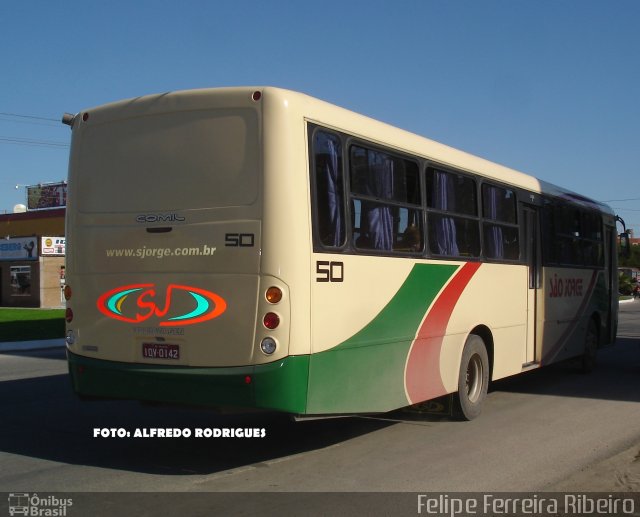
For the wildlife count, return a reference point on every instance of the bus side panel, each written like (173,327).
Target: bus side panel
(410,350)
(496,298)
(571,298)
(364,371)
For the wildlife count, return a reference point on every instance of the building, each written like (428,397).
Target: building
(32,270)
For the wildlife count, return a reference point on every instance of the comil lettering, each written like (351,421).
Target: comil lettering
(159,218)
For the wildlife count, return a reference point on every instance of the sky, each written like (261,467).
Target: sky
(547,87)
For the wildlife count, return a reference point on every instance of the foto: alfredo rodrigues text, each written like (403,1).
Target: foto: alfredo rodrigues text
(176,432)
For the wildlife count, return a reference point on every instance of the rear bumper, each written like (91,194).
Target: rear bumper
(281,385)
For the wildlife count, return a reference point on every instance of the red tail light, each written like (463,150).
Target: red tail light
(271,320)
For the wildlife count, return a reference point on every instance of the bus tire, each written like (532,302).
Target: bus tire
(473,379)
(588,359)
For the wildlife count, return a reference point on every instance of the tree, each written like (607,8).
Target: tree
(625,285)
(633,260)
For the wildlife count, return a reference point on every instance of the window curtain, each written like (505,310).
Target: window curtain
(378,218)
(445,227)
(334,194)
(494,237)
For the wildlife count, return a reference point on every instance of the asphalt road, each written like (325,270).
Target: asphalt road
(538,432)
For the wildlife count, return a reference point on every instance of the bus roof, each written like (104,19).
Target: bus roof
(360,125)
(342,119)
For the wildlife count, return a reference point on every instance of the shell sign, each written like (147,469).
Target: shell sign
(53,246)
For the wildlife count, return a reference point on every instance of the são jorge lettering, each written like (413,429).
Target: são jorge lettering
(565,287)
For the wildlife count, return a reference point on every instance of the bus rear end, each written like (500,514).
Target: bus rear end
(166,300)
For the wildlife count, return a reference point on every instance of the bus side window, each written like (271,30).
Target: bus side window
(548,231)
(592,244)
(385,201)
(568,238)
(329,189)
(453,220)
(500,225)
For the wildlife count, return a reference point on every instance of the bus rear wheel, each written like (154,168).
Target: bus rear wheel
(473,379)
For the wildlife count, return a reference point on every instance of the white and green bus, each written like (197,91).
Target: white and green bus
(258,248)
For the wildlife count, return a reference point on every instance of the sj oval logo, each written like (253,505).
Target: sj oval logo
(137,303)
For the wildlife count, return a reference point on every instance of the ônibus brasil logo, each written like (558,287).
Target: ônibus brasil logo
(138,302)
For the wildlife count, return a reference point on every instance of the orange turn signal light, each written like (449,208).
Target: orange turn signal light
(273,294)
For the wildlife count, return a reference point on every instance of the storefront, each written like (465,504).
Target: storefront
(32,272)
(32,267)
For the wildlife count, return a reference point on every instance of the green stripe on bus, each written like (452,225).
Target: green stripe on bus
(366,372)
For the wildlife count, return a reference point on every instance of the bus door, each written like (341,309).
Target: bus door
(533,258)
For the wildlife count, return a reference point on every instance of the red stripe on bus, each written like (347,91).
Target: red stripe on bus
(422,378)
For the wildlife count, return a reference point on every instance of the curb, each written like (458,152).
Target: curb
(19,346)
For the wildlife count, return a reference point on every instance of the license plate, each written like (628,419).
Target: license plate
(160,351)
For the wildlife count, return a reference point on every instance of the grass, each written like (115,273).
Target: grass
(31,324)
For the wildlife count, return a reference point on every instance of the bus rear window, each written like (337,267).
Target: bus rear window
(172,161)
